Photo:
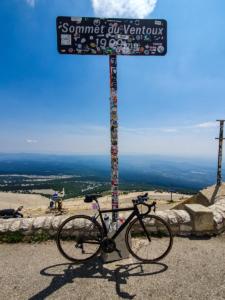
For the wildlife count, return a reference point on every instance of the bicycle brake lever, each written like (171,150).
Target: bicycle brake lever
(154,206)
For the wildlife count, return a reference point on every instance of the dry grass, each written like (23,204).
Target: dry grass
(13,200)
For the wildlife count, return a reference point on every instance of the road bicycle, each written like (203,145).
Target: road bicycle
(148,237)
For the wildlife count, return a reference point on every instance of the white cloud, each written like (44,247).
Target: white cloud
(123,8)
(31,2)
(206,125)
(31,141)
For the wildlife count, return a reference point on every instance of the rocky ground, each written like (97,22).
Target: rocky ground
(194,269)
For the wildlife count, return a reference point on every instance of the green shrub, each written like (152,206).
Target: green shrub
(11,237)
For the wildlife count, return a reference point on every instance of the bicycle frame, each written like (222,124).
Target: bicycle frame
(135,212)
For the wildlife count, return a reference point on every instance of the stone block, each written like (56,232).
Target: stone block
(172,217)
(5,225)
(39,222)
(15,225)
(48,223)
(185,230)
(56,221)
(201,217)
(220,226)
(2,227)
(220,209)
(221,201)
(183,216)
(26,224)
(163,215)
(217,216)
(215,193)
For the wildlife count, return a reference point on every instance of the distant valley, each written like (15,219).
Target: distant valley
(79,174)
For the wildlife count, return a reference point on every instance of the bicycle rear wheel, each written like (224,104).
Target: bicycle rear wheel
(151,243)
(78,238)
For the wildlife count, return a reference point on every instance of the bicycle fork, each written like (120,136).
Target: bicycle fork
(143,226)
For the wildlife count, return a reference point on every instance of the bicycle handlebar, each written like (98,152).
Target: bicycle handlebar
(141,199)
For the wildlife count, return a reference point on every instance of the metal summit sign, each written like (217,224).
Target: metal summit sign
(95,36)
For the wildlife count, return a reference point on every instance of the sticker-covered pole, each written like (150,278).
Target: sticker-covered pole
(114,135)
(220,153)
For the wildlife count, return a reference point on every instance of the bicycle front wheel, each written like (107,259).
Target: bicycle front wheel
(78,238)
(149,239)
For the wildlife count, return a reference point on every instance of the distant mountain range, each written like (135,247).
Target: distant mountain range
(158,171)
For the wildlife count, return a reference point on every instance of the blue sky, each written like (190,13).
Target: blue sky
(52,103)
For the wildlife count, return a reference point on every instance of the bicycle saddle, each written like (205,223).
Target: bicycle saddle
(90,198)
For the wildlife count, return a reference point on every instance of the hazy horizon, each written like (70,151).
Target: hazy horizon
(154,155)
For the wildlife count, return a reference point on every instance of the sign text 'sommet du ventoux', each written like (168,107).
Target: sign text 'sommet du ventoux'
(76,35)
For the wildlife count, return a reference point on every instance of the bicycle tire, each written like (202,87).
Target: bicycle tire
(158,230)
(76,231)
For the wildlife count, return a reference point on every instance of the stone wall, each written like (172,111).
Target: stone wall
(182,222)
(194,219)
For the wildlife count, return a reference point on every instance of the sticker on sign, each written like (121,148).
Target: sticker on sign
(80,35)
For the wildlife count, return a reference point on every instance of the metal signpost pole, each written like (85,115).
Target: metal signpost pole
(114,135)
(220,153)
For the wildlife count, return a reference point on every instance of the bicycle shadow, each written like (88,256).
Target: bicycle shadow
(94,269)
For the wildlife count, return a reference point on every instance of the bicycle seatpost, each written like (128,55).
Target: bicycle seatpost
(96,200)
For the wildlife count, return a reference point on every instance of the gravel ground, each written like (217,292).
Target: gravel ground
(14,200)
(194,269)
